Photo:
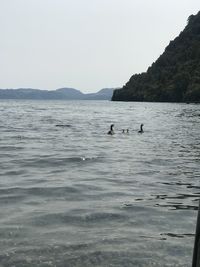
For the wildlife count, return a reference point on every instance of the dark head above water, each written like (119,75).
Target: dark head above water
(111,129)
(123,131)
(141,128)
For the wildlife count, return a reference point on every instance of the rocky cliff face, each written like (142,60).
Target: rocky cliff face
(175,76)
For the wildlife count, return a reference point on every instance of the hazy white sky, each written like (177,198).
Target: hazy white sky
(85,44)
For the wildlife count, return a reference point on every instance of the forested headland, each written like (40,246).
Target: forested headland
(174,76)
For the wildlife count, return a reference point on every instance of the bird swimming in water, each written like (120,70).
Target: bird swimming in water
(111,132)
(141,128)
(123,131)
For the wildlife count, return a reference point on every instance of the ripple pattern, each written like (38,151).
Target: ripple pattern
(73,196)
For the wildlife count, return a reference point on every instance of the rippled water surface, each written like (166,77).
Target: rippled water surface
(71,195)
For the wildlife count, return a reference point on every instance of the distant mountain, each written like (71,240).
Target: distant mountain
(59,94)
(175,76)
(69,93)
(103,94)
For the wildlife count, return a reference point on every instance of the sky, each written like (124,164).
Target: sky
(85,44)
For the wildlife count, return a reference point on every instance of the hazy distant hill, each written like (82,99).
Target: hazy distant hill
(103,94)
(175,76)
(59,94)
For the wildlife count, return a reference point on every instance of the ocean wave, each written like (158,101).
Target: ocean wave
(51,256)
(50,161)
(38,191)
(81,220)
(72,196)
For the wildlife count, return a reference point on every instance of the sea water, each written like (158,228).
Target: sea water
(71,195)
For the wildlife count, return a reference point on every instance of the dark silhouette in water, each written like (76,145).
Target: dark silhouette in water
(141,128)
(63,125)
(111,132)
(123,131)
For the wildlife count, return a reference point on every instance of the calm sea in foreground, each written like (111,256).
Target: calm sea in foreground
(73,196)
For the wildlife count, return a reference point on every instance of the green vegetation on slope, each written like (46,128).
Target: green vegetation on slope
(175,76)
